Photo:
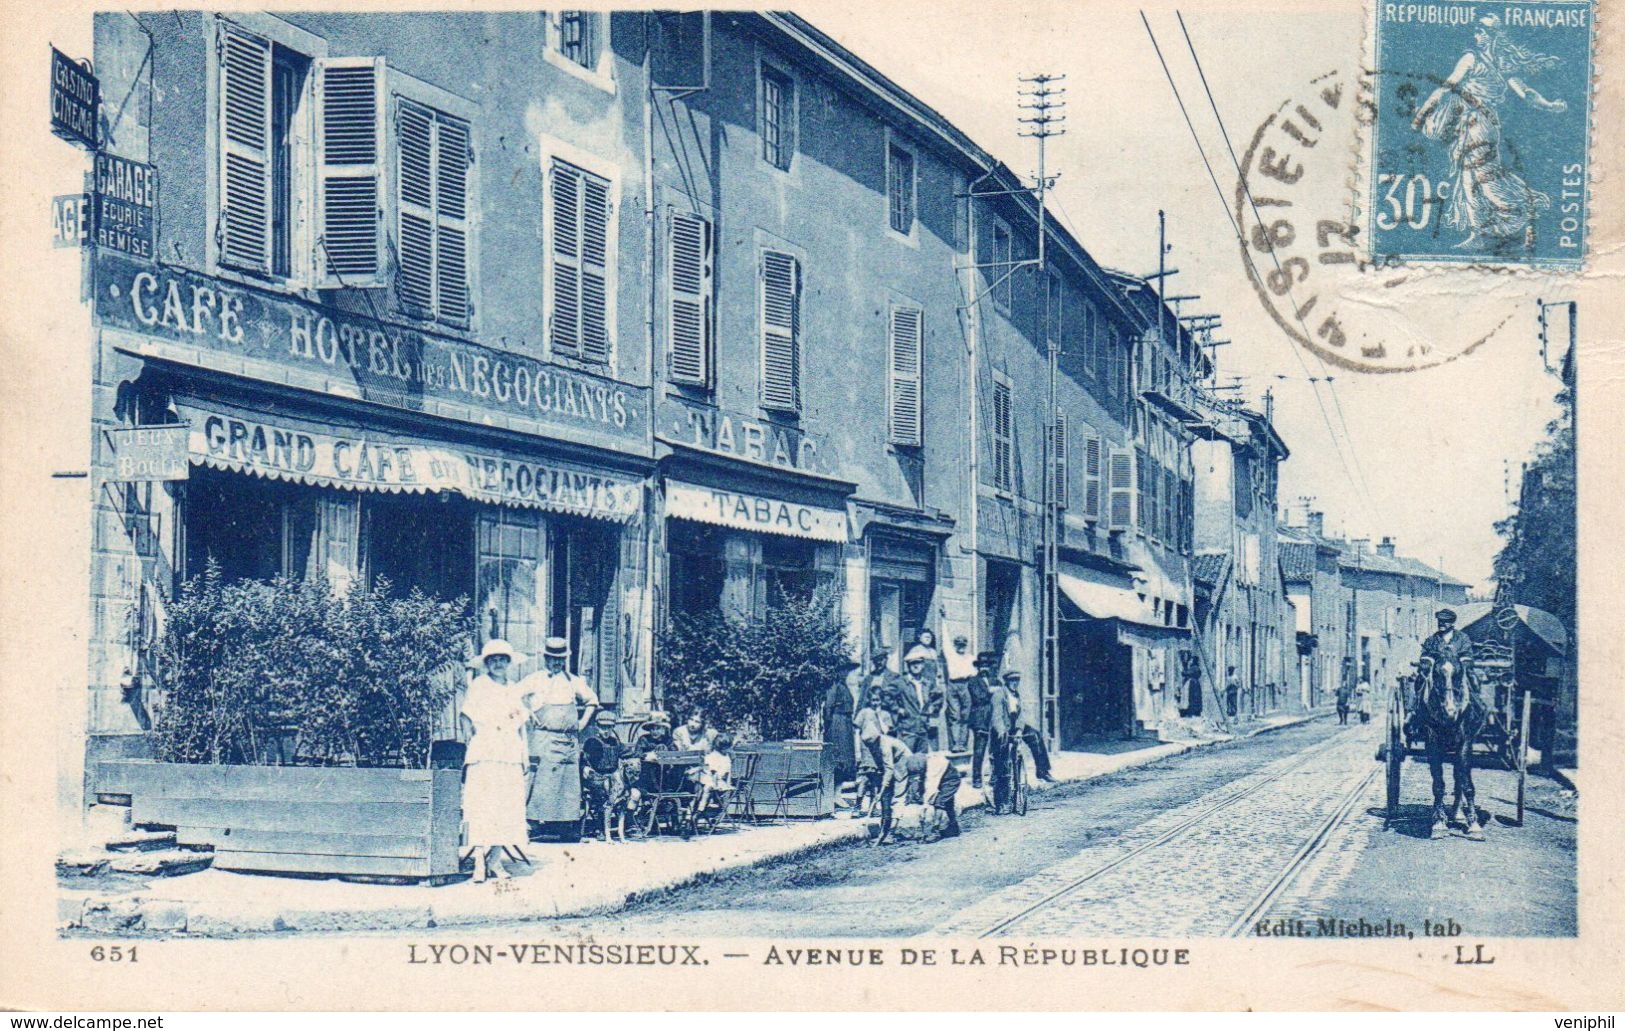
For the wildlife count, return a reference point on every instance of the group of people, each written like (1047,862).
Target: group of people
(1355,699)
(908,727)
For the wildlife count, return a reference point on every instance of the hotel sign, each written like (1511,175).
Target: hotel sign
(751,512)
(75,100)
(735,435)
(186,317)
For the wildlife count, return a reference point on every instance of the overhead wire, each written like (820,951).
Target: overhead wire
(1337,441)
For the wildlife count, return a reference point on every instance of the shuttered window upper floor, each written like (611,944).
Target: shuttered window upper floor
(340,173)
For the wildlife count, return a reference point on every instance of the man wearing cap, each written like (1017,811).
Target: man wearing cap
(960,667)
(914,700)
(1001,723)
(979,719)
(561,706)
(1450,645)
(1024,730)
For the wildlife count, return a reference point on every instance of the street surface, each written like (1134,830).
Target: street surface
(1270,830)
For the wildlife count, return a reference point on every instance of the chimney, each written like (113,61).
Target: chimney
(1360,544)
(1386,548)
(1317,523)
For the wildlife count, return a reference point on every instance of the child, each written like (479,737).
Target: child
(871,723)
(714,777)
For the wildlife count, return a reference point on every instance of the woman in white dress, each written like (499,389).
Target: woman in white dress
(494,766)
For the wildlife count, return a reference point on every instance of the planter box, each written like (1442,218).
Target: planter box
(298,819)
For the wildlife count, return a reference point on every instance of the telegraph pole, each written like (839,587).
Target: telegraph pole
(1042,112)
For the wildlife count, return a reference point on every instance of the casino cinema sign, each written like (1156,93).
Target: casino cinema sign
(75,100)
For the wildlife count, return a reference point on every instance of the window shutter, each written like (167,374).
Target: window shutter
(454,155)
(1170,507)
(580,245)
(244,231)
(1121,484)
(349,149)
(905,374)
(1092,462)
(690,257)
(1060,482)
(1003,470)
(414,275)
(781,331)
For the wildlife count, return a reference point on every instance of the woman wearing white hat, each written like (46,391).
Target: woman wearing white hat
(494,766)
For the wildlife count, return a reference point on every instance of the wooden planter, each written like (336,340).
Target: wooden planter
(300,819)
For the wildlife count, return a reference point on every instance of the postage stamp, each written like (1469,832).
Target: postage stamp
(1482,132)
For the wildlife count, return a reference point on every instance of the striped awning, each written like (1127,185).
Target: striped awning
(280,447)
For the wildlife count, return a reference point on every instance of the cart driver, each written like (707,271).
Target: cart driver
(1448,645)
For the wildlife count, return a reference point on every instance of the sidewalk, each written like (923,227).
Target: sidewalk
(568,880)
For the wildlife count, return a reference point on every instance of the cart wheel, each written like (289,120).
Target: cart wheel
(1018,786)
(1395,756)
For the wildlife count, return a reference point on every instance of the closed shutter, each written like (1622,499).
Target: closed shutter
(906,344)
(244,231)
(349,163)
(435,153)
(580,250)
(454,156)
(1121,484)
(690,258)
(1003,450)
(1060,482)
(1093,463)
(1170,507)
(414,144)
(781,331)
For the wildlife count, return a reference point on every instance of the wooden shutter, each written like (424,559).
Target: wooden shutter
(781,331)
(580,245)
(907,352)
(243,234)
(1093,462)
(1170,507)
(454,156)
(349,159)
(1060,485)
(689,270)
(1120,475)
(414,144)
(1003,464)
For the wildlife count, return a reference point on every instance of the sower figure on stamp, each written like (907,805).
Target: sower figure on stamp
(959,668)
(1453,714)
(561,706)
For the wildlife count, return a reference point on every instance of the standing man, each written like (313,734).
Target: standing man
(960,667)
(980,719)
(876,682)
(1024,730)
(914,700)
(561,706)
(1001,723)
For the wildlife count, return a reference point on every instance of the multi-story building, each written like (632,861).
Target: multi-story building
(398,310)
(1314,585)
(1242,613)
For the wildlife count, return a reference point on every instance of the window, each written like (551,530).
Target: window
(1001,273)
(578,37)
(349,160)
(434,154)
(1122,486)
(777,118)
(780,321)
(578,251)
(1003,438)
(1059,456)
(1093,463)
(690,260)
(906,353)
(900,189)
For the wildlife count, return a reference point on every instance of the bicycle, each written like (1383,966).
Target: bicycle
(1015,766)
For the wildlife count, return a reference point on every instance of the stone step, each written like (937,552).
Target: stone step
(167,863)
(137,840)
(83,862)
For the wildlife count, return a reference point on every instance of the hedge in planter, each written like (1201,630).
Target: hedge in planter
(286,671)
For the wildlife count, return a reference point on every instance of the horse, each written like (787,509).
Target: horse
(1452,715)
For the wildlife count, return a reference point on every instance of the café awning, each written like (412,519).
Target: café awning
(1103,601)
(281,447)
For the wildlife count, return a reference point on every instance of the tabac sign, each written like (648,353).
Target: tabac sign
(75,99)
(182,316)
(742,511)
(740,436)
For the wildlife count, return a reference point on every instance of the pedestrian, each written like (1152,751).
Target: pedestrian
(694,735)
(1344,696)
(959,666)
(561,706)
(494,716)
(1001,724)
(980,717)
(893,781)
(1232,691)
(1362,701)
(914,699)
(871,723)
(838,731)
(933,782)
(1024,731)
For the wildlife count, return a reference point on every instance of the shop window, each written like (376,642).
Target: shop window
(420,541)
(696,567)
(256,529)
(787,571)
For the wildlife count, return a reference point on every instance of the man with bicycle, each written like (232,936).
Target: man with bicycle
(1009,730)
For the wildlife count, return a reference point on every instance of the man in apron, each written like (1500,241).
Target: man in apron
(561,706)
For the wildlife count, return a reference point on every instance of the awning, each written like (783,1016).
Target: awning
(1103,601)
(351,458)
(755,513)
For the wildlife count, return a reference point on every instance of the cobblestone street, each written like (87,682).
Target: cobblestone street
(1288,826)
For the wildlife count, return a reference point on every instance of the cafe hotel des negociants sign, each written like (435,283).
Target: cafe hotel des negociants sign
(183,316)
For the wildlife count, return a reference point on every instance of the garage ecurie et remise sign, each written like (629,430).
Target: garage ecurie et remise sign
(126,199)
